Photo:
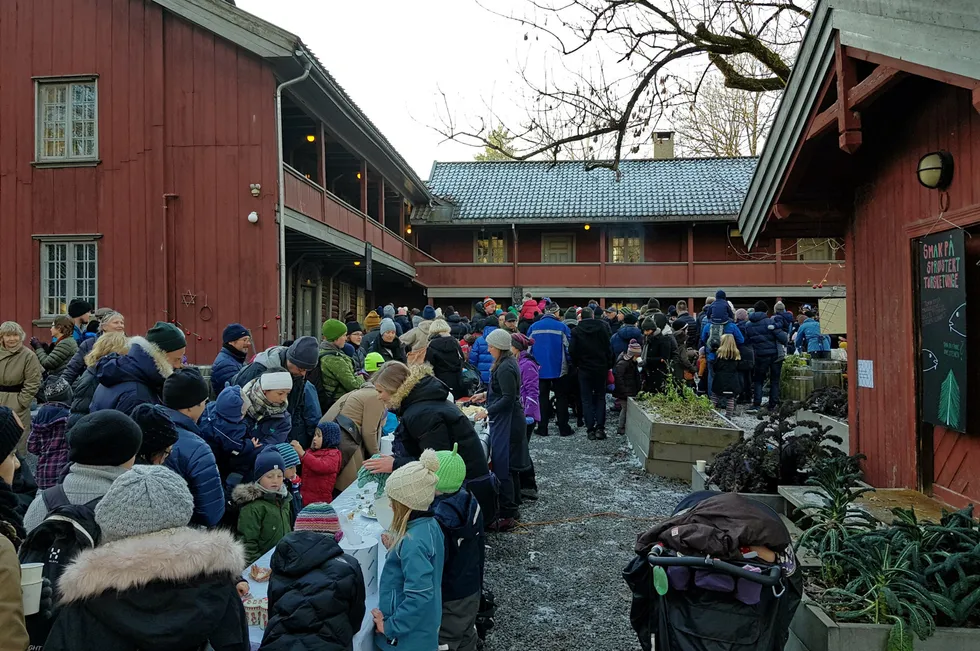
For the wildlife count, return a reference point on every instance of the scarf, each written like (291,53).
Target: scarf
(11,524)
(260,406)
(234,352)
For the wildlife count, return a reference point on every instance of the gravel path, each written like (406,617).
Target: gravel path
(559,586)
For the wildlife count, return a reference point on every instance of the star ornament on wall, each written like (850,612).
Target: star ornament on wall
(188,298)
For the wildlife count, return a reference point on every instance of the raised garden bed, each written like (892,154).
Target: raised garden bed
(669,449)
(837,427)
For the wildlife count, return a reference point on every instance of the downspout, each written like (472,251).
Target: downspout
(513,292)
(282,190)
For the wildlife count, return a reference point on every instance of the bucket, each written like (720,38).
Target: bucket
(30,586)
(799,387)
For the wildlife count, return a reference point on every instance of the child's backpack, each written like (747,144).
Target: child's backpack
(715,333)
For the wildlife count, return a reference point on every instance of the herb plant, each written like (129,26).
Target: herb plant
(682,406)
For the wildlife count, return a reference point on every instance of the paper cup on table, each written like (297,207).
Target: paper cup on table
(387,444)
(701,464)
(365,550)
(30,585)
(382,509)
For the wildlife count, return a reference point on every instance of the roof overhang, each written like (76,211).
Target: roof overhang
(501,222)
(753,291)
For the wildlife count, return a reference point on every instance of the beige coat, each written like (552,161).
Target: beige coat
(14,632)
(365,408)
(20,367)
(417,337)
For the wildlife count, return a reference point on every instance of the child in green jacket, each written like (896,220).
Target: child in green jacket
(266,512)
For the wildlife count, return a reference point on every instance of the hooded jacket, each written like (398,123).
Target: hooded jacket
(56,360)
(47,440)
(590,347)
(316,595)
(809,339)
(264,518)
(457,328)
(172,590)
(337,371)
(446,358)
(764,335)
(529,310)
(320,470)
(551,340)
(365,408)
(191,458)
(417,337)
(461,521)
(135,378)
(627,375)
(480,356)
(224,429)
(226,366)
(530,386)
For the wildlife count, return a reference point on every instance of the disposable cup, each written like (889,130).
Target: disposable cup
(701,464)
(31,572)
(386,444)
(32,597)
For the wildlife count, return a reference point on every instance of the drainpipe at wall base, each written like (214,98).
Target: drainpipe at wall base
(282,190)
(170,271)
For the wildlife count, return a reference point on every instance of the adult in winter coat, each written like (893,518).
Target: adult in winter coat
(746,352)
(592,355)
(658,351)
(727,328)
(336,367)
(138,376)
(457,328)
(86,384)
(551,339)
(530,403)
(368,413)
(690,324)
(236,341)
(417,336)
(20,376)
(769,341)
(316,595)
(12,534)
(626,333)
(684,368)
(153,583)
(480,352)
(385,344)
(446,357)
(110,321)
(54,358)
(809,339)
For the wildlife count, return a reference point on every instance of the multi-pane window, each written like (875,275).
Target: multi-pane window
(68,270)
(627,246)
(67,120)
(817,249)
(491,247)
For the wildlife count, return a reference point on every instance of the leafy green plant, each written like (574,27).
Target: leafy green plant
(790,365)
(683,406)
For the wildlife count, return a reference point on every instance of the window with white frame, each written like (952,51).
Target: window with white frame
(67,120)
(626,246)
(68,270)
(491,247)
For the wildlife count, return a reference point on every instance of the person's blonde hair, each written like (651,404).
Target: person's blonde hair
(439,327)
(391,376)
(399,522)
(12,328)
(728,348)
(64,325)
(108,342)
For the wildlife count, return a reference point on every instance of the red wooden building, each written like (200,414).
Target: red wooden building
(877,86)
(140,168)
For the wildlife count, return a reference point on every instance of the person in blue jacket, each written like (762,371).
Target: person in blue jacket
(769,340)
(235,343)
(480,352)
(267,418)
(809,339)
(728,327)
(551,340)
(783,319)
(222,426)
(80,312)
(626,333)
(184,396)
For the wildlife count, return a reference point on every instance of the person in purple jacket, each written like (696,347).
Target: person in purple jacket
(530,401)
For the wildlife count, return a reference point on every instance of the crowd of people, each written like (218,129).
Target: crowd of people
(177,480)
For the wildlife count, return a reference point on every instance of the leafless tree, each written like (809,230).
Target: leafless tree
(616,62)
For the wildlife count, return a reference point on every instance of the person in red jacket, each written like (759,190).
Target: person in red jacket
(321,464)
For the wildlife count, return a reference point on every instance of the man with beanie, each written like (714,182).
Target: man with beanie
(184,396)
(336,367)
(154,582)
(168,338)
(767,339)
(458,514)
(355,333)
(101,446)
(591,353)
(80,312)
(236,341)
(137,377)
(159,434)
(551,340)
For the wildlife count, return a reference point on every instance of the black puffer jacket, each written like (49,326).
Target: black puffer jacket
(590,348)
(316,595)
(457,328)
(446,358)
(84,389)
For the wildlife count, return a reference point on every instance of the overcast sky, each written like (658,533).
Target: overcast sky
(393,56)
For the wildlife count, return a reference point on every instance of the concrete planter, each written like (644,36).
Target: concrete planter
(813,630)
(699,482)
(837,427)
(669,449)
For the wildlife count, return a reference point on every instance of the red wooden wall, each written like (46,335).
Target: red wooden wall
(180,111)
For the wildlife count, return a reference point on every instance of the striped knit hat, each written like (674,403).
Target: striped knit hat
(319,517)
(288,453)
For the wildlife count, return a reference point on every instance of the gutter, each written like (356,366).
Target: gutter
(281,214)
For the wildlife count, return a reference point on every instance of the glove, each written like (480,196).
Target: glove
(47,599)
(35,343)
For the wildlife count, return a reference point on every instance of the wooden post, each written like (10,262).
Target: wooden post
(779,261)
(690,254)
(381,201)
(602,260)
(514,231)
(321,159)
(401,219)
(364,206)
(848,121)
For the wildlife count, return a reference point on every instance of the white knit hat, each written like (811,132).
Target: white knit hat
(275,381)
(414,484)
(499,339)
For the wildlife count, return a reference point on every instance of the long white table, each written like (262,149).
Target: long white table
(345,503)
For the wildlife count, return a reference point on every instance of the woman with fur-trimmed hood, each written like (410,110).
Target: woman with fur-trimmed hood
(137,377)
(154,583)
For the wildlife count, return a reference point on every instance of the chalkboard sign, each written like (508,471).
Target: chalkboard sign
(942,328)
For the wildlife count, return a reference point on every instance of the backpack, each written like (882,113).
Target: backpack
(315,377)
(715,333)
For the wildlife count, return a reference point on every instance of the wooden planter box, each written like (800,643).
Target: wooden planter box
(669,449)
(699,482)
(837,427)
(813,630)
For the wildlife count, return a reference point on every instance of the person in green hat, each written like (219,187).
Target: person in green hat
(458,513)
(336,367)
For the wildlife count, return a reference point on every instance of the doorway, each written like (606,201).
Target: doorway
(305,310)
(558,248)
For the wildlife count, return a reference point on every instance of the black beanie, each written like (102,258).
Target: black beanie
(167,336)
(653,304)
(184,389)
(10,433)
(660,319)
(104,438)
(761,306)
(159,431)
(630,319)
(78,307)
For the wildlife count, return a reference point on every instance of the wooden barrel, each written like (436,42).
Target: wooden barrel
(826,373)
(799,387)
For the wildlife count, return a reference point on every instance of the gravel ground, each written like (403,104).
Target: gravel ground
(559,586)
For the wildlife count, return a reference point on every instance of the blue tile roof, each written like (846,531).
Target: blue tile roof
(681,189)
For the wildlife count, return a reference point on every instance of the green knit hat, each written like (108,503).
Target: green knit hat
(333,329)
(452,470)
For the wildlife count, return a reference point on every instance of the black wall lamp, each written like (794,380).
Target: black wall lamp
(935,170)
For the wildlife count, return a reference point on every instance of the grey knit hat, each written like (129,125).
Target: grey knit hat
(142,500)
(499,339)
(387,325)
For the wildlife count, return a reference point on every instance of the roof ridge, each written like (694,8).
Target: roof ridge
(601,160)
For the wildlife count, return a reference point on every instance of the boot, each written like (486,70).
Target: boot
(591,434)
(600,433)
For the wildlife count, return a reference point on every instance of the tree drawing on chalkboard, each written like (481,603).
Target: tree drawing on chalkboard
(949,402)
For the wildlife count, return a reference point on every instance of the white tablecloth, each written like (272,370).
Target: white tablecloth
(346,503)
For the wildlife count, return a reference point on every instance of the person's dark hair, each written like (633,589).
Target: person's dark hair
(587,313)
(504,354)
(64,325)
(809,314)
(761,306)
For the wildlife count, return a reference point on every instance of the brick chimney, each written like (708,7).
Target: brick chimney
(663,145)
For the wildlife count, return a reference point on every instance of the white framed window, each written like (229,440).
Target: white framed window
(68,270)
(625,246)
(491,247)
(361,310)
(816,249)
(67,114)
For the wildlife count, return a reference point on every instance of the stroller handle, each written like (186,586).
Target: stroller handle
(772,578)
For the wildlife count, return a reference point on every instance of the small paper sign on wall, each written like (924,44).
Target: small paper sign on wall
(866,373)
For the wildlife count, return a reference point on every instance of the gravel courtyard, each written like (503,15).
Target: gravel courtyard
(559,585)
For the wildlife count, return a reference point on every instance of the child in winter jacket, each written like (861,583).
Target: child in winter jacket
(47,438)
(627,374)
(223,427)
(530,401)
(321,463)
(410,594)
(265,515)
(292,480)
(726,383)
(458,513)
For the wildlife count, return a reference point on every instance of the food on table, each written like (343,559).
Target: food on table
(260,574)
(257,611)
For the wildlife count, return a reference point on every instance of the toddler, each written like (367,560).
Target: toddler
(223,427)
(627,374)
(265,515)
(290,459)
(321,463)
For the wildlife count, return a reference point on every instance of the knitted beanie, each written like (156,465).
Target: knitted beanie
(414,484)
(57,389)
(166,336)
(571,314)
(428,313)
(352,327)
(648,324)
(499,339)
(387,325)
(159,432)
(389,311)
(331,434)
(372,321)
(184,389)
(234,332)
(552,308)
(365,477)
(304,353)
(489,305)
(78,307)
(373,361)
(319,517)
(780,306)
(634,349)
(630,319)
(333,329)
(104,438)
(276,381)
(761,306)
(10,433)
(521,342)
(741,314)
(268,459)
(288,453)
(452,470)
(143,500)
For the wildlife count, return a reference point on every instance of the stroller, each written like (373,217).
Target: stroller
(690,601)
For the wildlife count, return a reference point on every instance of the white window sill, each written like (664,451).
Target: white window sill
(47,164)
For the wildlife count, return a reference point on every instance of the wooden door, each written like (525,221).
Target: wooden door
(558,249)
(304,313)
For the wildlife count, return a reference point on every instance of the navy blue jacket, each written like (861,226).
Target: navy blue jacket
(551,340)
(462,525)
(621,340)
(192,459)
(76,366)
(224,430)
(225,366)
(135,378)
(764,335)
(480,356)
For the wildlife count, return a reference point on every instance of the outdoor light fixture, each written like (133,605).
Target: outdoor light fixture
(587,227)
(358,176)
(311,138)
(253,217)
(935,170)
(357,263)
(408,230)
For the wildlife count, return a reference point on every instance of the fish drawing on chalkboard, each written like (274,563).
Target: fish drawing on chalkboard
(957,320)
(929,360)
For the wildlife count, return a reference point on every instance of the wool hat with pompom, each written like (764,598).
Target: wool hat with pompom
(499,339)
(144,500)
(319,517)
(452,471)
(634,349)
(414,484)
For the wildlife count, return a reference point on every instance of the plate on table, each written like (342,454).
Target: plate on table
(369,513)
